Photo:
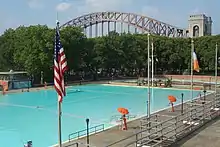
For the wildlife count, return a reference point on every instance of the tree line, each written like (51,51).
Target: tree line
(31,49)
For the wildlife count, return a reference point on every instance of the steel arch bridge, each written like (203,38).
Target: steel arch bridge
(142,23)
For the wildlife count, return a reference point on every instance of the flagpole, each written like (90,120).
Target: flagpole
(57,16)
(59,108)
(192,50)
(152,70)
(59,123)
(216,67)
(148,74)
(152,64)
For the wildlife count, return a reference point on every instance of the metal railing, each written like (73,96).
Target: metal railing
(164,130)
(118,117)
(81,133)
(75,144)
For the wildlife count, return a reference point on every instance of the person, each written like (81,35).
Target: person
(29,144)
(3,90)
(45,85)
(124,123)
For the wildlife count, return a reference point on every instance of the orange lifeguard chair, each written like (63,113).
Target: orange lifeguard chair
(172,99)
(124,112)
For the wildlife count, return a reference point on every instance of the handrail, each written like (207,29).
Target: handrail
(119,116)
(201,112)
(72,144)
(81,133)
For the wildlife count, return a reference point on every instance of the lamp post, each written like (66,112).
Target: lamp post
(192,50)
(152,64)
(148,73)
(216,67)
(42,77)
(156,66)
(28,84)
(216,70)
(87,132)
(182,103)
(204,91)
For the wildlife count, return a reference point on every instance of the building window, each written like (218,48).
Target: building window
(196,31)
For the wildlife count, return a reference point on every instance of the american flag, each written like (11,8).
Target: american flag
(60,66)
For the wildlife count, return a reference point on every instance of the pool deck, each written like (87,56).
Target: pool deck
(114,134)
(52,87)
(206,136)
(117,83)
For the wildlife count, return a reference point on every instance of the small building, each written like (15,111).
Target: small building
(15,80)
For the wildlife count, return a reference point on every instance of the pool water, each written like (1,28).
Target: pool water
(33,115)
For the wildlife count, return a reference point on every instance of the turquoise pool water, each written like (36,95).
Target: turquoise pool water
(33,115)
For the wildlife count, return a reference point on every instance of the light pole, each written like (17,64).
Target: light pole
(148,73)
(42,77)
(182,103)
(156,65)
(192,50)
(216,69)
(204,91)
(152,64)
(87,132)
(28,84)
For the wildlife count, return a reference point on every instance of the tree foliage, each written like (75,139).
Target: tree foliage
(31,49)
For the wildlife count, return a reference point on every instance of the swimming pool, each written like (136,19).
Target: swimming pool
(33,115)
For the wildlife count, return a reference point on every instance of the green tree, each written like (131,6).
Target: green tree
(32,49)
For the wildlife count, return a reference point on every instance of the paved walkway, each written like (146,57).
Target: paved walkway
(207,136)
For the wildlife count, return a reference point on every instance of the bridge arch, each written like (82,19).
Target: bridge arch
(143,23)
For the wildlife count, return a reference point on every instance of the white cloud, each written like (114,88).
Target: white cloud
(63,6)
(35,4)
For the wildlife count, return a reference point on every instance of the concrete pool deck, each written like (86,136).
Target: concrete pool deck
(51,87)
(206,136)
(108,137)
(110,82)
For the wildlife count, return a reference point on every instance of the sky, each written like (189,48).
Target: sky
(14,13)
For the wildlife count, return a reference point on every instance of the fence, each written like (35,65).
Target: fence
(75,144)
(118,117)
(164,130)
(81,133)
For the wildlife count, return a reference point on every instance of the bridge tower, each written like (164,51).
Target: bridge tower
(200,25)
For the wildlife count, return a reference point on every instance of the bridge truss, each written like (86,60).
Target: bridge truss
(142,23)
